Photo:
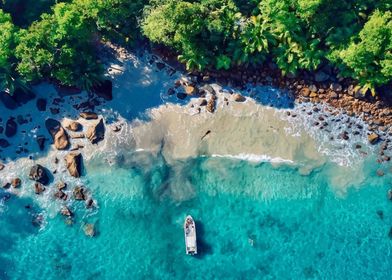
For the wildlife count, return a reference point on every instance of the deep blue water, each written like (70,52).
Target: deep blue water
(254,221)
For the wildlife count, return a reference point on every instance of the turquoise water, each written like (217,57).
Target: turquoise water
(254,221)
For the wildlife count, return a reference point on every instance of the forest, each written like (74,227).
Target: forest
(58,40)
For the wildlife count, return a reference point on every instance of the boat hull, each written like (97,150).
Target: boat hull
(190,236)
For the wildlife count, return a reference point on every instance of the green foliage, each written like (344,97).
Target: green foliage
(368,58)
(114,19)
(200,30)
(253,41)
(296,46)
(9,80)
(59,46)
(7,39)
(59,38)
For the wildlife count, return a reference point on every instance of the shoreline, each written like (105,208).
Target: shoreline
(319,86)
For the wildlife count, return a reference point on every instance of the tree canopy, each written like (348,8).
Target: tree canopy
(57,40)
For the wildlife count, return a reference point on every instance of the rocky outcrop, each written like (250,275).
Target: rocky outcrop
(65,211)
(181,95)
(89,115)
(104,90)
(96,132)
(38,188)
(61,195)
(39,174)
(74,126)
(238,98)
(16,182)
(58,133)
(2,166)
(73,162)
(11,127)
(79,193)
(191,90)
(61,185)
(211,104)
(373,138)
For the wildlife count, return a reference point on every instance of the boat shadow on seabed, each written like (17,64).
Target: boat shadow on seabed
(203,247)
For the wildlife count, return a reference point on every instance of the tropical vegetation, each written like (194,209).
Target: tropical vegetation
(58,40)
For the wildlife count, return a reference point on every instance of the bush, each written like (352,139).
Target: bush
(368,57)
(59,46)
(199,31)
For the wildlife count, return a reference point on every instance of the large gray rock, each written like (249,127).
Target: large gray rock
(39,174)
(96,132)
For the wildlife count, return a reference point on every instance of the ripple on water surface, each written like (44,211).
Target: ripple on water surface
(254,221)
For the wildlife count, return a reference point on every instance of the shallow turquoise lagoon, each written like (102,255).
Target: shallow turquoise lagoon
(254,221)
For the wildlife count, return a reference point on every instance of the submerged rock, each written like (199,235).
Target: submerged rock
(4,143)
(89,230)
(389,194)
(73,163)
(96,132)
(41,104)
(58,133)
(11,127)
(39,174)
(2,166)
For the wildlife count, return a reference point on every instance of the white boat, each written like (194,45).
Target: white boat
(190,236)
